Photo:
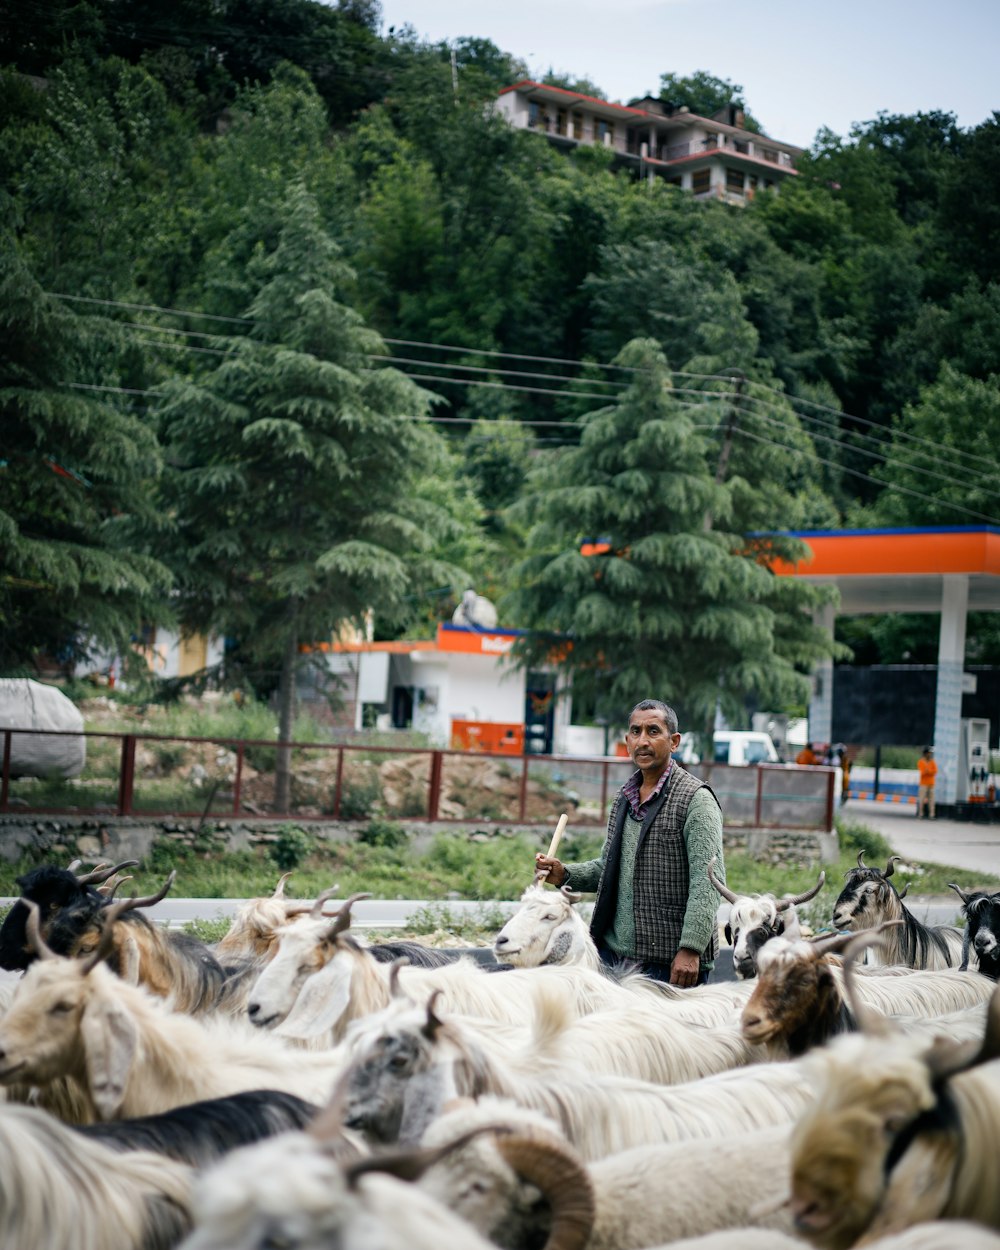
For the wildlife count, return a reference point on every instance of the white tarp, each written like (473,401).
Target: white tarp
(27,704)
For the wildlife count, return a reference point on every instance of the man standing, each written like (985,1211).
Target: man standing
(927,767)
(655,904)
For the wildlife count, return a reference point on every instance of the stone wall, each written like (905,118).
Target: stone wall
(117,838)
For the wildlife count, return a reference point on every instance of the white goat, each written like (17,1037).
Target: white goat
(547,929)
(756,918)
(511,1183)
(59,1193)
(127,1052)
(940,1235)
(407,1064)
(321,980)
(291,1191)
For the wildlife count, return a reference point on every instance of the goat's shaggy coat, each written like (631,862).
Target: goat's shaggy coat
(58,1194)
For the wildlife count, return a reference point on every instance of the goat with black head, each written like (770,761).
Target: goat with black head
(756,918)
(982,930)
(55,890)
(869,899)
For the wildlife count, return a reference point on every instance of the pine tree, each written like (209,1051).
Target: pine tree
(668,608)
(76,472)
(295,466)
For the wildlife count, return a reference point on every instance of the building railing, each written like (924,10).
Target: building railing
(226,778)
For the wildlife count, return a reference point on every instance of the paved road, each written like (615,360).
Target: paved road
(957,842)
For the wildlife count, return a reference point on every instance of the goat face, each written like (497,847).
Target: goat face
(866,900)
(873,1090)
(751,923)
(784,997)
(303,949)
(40,1034)
(983,918)
(53,889)
(542,931)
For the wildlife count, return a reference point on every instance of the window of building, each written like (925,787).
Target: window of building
(560,121)
(674,182)
(533,113)
(701,180)
(577,125)
(602,129)
(734,180)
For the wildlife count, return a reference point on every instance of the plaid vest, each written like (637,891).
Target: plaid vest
(660,885)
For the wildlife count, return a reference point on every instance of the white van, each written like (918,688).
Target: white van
(732,746)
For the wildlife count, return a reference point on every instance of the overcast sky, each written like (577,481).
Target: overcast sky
(803,64)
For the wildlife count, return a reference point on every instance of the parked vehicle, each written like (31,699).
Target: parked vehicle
(732,746)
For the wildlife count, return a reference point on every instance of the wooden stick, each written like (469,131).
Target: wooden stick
(557,836)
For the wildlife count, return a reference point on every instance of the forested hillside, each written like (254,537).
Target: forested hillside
(293,329)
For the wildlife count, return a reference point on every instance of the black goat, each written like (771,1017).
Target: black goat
(54,890)
(203,1131)
(982,929)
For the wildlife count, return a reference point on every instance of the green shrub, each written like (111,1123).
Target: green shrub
(384,833)
(359,797)
(165,854)
(292,847)
(857,837)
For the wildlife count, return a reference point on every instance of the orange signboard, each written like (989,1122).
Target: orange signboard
(884,552)
(476,641)
(482,735)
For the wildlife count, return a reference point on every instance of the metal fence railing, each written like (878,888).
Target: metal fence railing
(127,774)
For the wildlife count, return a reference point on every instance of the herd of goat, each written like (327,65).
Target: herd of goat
(294,1088)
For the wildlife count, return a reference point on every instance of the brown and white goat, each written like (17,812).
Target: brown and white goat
(902,1131)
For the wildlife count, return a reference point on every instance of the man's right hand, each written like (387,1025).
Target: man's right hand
(553,867)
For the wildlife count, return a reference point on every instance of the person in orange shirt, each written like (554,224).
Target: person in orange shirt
(807,755)
(927,767)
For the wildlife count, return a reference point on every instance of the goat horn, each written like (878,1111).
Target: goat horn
(561,1176)
(410,1165)
(316,907)
(961,893)
(150,900)
(724,890)
(395,989)
(904,891)
(540,876)
(74,864)
(328,1126)
(116,887)
(107,938)
(861,860)
(279,889)
(101,873)
(342,921)
(890,867)
(569,894)
(831,943)
(869,1020)
(793,901)
(434,1021)
(33,932)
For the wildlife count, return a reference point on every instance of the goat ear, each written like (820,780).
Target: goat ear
(110,1039)
(320,1004)
(729,933)
(947,1058)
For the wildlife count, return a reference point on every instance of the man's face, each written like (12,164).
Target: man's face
(650,742)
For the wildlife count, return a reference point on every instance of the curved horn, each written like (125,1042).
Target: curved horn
(861,860)
(150,900)
(342,921)
(831,943)
(569,894)
(316,907)
(947,1058)
(540,876)
(395,989)
(904,891)
(410,1165)
(890,867)
(724,890)
(101,873)
(434,1021)
(869,1020)
(558,1172)
(73,865)
(794,900)
(279,889)
(107,938)
(116,887)
(33,932)
(328,1127)
(961,893)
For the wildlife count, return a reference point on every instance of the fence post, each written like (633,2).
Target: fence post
(238,782)
(126,776)
(5,775)
(758,798)
(522,797)
(604,787)
(339,785)
(829,800)
(434,795)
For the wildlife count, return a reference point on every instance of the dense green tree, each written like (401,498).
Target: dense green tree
(76,472)
(295,468)
(671,608)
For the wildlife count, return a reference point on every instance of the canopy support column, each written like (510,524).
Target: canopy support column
(821,703)
(951,662)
